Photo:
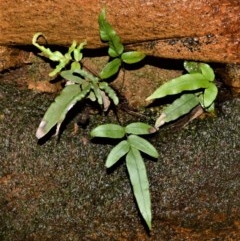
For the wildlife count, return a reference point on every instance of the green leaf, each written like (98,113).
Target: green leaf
(70,50)
(106,30)
(107,33)
(69,75)
(110,69)
(64,60)
(92,96)
(111,93)
(75,65)
(178,108)
(86,75)
(139,180)
(57,111)
(108,130)
(59,67)
(77,51)
(132,57)
(115,47)
(185,82)
(192,67)
(55,56)
(97,93)
(209,95)
(116,153)
(207,71)
(211,108)
(142,145)
(77,55)
(139,128)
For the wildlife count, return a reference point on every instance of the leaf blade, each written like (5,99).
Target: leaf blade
(179,107)
(143,145)
(69,75)
(139,181)
(97,93)
(191,67)
(110,68)
(108,131)
(58,109)
(139,128)
(117,153)
(132,57)
(185,82)
(107,33)
(209,95)
(111,93)
(207,71)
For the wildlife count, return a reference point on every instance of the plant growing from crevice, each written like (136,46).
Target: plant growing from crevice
(197,88)
(132,145)
(116,49)
(80,83)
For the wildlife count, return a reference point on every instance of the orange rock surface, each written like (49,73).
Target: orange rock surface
(205,30)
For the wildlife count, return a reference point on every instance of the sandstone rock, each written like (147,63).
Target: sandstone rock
(12,57)
(231,76)
(200,30)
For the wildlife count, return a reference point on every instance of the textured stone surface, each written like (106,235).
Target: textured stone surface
(12,57)
(205,30)
(231,76)
(134,85)
(62,191)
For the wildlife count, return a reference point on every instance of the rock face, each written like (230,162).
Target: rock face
(63,191)
(200,30)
